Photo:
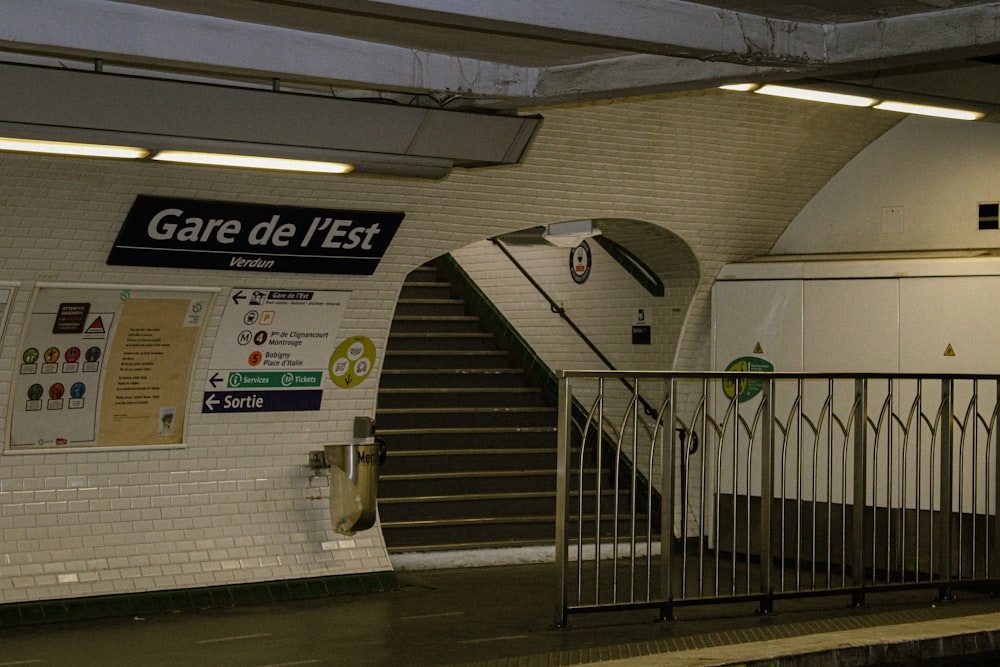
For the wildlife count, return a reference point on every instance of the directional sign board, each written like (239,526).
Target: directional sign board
(272,350)
(261,401)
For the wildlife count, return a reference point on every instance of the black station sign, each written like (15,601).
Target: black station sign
(203,234)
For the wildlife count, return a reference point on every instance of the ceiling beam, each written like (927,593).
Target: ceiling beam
(664,45)
(127,34)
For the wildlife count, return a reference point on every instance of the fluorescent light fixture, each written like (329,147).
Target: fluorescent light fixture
(740,87)
(924,110)
(570,234)
(253,162)
(812,95)
(71,148)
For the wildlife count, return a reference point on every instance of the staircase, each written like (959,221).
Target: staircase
(471,444)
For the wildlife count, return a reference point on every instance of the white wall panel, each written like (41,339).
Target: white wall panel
(752,313)
(850,326)
(962,312)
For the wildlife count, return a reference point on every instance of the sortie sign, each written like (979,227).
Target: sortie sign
(203,234)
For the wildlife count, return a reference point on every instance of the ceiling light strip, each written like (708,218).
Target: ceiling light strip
(72,149)
(925,110)
(814,95)
(253,162)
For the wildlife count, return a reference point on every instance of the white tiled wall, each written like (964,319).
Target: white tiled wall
(238,504)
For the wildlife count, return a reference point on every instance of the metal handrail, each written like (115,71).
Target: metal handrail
(806,484)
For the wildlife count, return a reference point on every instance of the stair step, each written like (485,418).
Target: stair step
(442,340)
(439,460)
(426,289)
(444,430)
(467,474)
(424,484)
(417,397)
(466,417)
(444,359)
(452,377)
(467,546)
(438,323)
(432,307)
(478,530)
(468,437)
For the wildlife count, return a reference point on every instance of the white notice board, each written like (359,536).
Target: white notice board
(105,366)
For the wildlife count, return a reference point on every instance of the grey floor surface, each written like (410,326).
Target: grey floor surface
(499,616)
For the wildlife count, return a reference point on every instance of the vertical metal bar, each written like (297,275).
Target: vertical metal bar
(702,538)
(736,492)
(918,490)
(947,501)
(829,485)
(860,488)
(975,472)
(668,505)
(798,488)
(562,499)
(995,488)
(599,490)
(633,491)
(766,497)
(889,440)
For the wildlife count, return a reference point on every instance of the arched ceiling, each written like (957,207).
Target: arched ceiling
(506,55)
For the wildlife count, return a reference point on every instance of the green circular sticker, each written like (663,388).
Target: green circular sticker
(352,362)
(746,388)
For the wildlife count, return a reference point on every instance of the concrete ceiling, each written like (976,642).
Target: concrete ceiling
(506,55)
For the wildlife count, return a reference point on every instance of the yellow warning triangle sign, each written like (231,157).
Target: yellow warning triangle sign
(949,351)
(758,349)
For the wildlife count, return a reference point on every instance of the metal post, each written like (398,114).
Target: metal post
(860,488)
(991,565)
(562,498)
(766,497)
(947,502)
(668,505)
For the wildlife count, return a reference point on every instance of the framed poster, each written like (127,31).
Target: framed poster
(103,366)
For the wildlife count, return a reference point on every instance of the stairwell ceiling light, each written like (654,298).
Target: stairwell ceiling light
(570,234)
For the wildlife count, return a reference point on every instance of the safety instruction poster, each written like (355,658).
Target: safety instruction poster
(104,366)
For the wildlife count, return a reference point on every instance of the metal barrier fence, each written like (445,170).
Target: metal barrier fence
(772,485)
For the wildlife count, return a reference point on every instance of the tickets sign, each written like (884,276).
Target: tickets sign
(202,234)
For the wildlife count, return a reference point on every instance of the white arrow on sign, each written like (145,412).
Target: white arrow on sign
(211,401)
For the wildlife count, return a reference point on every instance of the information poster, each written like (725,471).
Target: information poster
(272,350)
(106,366)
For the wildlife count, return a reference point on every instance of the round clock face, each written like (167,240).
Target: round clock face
(579,262)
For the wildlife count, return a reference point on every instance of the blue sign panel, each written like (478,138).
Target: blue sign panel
(217,402)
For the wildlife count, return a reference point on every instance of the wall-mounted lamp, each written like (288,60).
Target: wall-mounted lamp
(570,234)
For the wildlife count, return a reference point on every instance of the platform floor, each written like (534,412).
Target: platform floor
(502,616)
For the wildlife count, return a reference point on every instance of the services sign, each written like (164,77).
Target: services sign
(203,234)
